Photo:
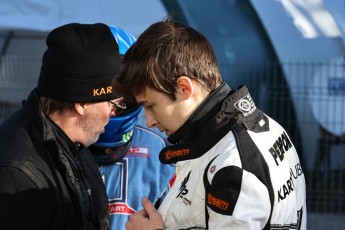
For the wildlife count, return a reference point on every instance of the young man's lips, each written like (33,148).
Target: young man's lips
(167,132)
(163,130)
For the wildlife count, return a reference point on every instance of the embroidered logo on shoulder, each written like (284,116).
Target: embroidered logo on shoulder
(176,153)
(216,202)
(246,105)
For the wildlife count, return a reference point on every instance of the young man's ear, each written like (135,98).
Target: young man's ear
(185,87)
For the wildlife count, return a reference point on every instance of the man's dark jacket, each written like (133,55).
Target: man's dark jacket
(46,181)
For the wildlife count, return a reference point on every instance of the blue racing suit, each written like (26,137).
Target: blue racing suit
(138,174)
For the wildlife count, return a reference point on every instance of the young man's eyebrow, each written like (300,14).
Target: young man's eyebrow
(143,102)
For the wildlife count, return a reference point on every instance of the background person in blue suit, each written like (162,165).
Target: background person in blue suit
(128,158)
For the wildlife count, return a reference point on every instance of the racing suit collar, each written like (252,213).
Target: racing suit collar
(234,109)
(208,109)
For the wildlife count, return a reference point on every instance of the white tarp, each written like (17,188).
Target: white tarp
(327,96)
(44,15)
(308,32)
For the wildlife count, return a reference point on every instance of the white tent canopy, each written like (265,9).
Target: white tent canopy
(44,15)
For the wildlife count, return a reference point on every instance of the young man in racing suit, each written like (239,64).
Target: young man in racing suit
(236,167)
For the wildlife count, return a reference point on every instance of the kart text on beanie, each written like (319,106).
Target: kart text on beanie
(80,64)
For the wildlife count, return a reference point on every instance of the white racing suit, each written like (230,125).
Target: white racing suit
(236,169)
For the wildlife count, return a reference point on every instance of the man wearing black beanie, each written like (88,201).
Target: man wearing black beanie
(48,179)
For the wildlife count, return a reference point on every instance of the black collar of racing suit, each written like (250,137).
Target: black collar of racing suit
(209,108)
(214,118)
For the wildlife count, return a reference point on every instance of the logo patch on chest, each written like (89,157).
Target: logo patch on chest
(184,191)
(216,202)
(138,152)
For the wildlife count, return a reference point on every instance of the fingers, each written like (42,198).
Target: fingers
(142,213)
(153,215)
(148,218)
(148,206)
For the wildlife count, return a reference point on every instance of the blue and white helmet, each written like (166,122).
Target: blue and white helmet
(113,144)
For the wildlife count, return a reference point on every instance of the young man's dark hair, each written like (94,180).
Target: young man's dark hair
(167,51)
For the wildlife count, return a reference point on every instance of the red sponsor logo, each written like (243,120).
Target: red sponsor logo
(120,208)
(214,201)
(138,151)
(177,153)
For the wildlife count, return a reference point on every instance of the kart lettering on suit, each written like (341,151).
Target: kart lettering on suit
(289,186)
(120,208)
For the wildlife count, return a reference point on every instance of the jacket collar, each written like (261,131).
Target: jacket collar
(209,108)
(221,112)
(50,131)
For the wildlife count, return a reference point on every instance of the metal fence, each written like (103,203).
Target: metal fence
(308,99)
(18,76)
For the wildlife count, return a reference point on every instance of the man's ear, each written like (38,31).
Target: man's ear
(79,108)
(185,87)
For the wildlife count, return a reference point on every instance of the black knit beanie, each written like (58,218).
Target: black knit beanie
(80,64)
